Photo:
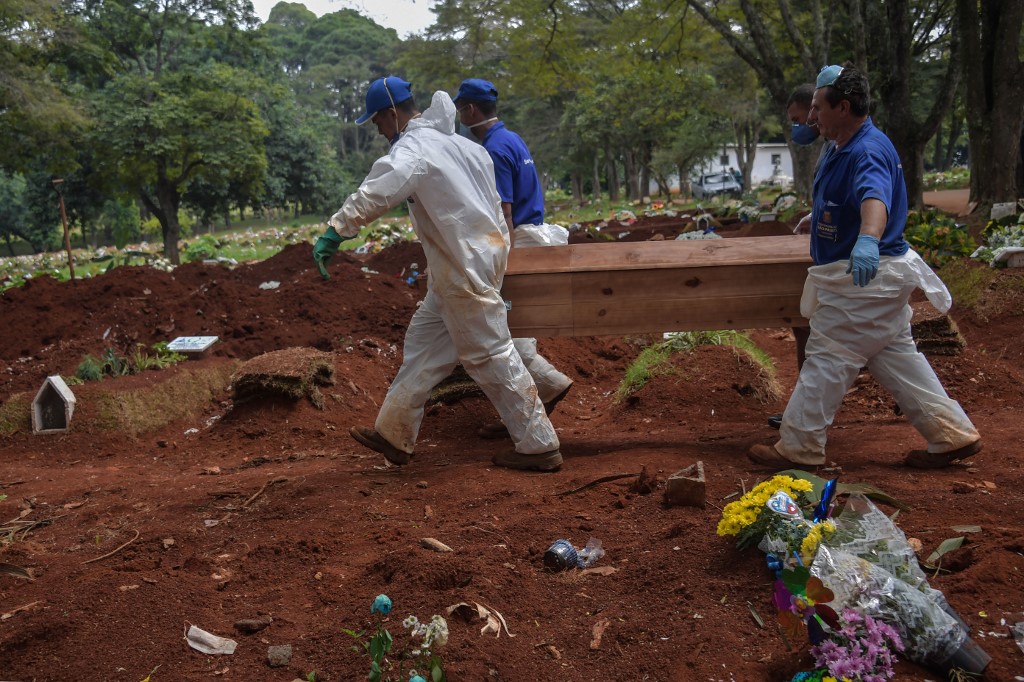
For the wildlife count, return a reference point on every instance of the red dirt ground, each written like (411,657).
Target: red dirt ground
(311,526)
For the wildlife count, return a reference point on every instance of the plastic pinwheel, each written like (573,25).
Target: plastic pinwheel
(800,599)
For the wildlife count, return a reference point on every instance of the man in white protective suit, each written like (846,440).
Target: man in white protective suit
(522,203)
(857,293)
(456,213)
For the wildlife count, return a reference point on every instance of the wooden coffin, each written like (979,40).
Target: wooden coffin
(656,286)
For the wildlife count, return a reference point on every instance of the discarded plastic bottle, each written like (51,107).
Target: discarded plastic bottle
(561,555)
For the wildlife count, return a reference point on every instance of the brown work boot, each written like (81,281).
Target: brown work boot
(546,461)
(922,459)
(496,430)
(767,455)
(373,440)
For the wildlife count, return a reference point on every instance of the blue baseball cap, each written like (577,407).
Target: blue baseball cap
(828,75)
(385,93)
(477,90)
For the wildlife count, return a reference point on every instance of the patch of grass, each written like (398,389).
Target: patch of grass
(652,361)
(138,411)
(16,414)
(656,359)
(454,387)
(969,284)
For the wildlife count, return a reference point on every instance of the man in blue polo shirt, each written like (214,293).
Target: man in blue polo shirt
(857,293)
(522,202)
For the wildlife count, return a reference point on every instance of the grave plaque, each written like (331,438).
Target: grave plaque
(192,345)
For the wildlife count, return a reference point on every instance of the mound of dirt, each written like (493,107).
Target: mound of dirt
(49,326)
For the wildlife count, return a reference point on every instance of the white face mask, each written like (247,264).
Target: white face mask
(481,123)
(465,132)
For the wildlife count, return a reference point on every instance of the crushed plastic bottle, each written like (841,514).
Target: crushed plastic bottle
(561,555)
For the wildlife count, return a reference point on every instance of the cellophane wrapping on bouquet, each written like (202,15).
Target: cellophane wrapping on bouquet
(869,565)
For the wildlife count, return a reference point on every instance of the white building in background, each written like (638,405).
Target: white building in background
(771,160)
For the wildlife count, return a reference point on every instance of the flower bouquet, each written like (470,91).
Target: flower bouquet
(870,567)
(860,650)
(750,519)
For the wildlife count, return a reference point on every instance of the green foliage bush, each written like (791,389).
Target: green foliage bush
(203,248)
(937,237)
(954,178)
(112,364)
(90,369)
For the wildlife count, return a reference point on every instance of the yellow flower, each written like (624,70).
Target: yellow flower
(745,511)
(809,546)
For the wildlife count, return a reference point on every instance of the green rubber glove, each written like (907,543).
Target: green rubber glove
(325,247)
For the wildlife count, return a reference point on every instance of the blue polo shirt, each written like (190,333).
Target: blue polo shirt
(866,167)
(515,175)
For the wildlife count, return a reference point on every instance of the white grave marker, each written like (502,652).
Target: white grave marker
(192,345)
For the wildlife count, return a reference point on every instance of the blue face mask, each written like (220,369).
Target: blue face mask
(804,135)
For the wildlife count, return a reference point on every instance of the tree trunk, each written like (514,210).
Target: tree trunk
(908,135)
(645,172)
(166,211)
(938,153)
(612,173)
(595,191)
(746,149)
(805,158)
(632,180)
(956,127)
(577,188)
(994,76)
(684,181)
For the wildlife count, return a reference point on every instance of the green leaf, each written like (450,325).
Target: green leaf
(814,496)
(946,546)
(380,645)
(756,615)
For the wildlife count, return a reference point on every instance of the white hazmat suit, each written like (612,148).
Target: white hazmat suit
(456,213)
(550,382)
(854,327)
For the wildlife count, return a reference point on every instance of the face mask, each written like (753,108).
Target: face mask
(804,135)
(394,139)
(465,132)
(483,123)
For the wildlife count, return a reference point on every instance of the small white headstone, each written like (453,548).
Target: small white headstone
(53,406)
(1003,210)
(192,344)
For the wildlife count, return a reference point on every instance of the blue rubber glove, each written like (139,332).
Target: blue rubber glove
(325,247)
(864,260)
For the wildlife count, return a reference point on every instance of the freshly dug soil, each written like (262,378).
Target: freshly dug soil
(269,509)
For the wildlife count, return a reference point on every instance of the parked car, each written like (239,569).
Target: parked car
(712,185)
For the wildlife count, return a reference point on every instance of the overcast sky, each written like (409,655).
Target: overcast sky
(405,16)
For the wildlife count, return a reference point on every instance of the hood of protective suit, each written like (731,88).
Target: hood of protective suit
(440,115)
